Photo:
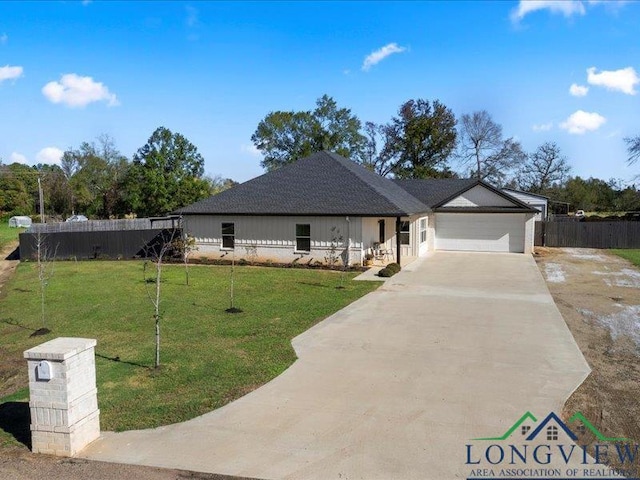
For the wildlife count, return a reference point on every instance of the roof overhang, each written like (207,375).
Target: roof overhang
(307,214)
(485,210)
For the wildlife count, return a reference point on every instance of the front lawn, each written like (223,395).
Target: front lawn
(7,234)
(209,357)
(631,254)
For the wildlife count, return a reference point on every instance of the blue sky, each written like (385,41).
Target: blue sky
(565,71)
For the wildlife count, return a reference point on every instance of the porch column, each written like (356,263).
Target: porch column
(398,240)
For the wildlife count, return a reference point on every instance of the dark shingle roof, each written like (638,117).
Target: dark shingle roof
(433,191)
(321,184)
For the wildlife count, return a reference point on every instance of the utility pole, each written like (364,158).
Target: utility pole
(40,194)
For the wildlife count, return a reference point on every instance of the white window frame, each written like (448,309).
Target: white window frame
(302,237)
(405,233)
(227,235)
(423,230)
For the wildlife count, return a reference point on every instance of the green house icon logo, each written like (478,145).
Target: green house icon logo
(528,427)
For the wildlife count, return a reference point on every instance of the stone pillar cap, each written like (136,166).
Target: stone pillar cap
(60,348)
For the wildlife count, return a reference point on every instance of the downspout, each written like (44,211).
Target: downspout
(398,240)
(348,256)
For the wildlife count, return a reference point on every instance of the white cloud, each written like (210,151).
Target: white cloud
(251,150)
(4,38)
(543,127)
(10,73)
(18,158)
(49,155)
(76,91)
(567,8)
(193,18)
(623,80)
(578,90)
(581,122)
(377,56)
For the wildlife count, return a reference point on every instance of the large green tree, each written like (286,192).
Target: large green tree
(286,136)
(16,198)
(419,140)
(94,173)
(166,174)
(484,149)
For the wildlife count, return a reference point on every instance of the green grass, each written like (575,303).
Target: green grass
(633,255)
(209,357)
(8,234)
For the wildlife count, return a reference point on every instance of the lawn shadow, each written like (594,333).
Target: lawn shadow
(15,419)
(15,323)
(118,360)
(315,284)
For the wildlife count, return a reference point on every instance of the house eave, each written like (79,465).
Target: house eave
(485,210)
(309,214)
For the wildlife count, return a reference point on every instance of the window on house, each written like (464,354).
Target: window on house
(552,433)
(303,237)
(404,233)
(525,429)
(423,230)
(228,235)
(381,236)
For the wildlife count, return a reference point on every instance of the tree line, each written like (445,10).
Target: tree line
(97,180)
(425,140)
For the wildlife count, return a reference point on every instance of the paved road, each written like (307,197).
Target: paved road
(457,346)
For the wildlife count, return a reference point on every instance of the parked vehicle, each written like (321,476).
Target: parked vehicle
(77,218)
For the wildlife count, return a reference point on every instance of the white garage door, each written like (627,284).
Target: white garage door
(480,232)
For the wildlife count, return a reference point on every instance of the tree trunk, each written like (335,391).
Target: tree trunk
(157,308)
(157,341)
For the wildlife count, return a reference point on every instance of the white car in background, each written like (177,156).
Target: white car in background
(77,218)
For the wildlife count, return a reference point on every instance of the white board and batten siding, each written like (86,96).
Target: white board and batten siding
(535,201)
(274,237)
(479,196)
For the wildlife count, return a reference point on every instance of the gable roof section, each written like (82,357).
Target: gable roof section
(321,184)
(436,193)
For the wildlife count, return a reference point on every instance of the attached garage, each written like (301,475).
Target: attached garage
(484,219)
(481,232)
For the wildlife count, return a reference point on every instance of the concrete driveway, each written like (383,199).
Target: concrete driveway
(456,346)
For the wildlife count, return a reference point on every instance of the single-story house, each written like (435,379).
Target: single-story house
(323,204)
(537,201)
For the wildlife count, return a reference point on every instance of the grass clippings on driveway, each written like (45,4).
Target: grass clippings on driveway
(209,357)
(598,295)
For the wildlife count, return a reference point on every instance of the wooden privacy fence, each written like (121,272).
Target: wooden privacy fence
(118,244)
(588,234)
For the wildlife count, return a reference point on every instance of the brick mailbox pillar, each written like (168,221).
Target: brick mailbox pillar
(63,396)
